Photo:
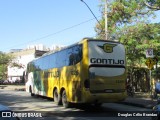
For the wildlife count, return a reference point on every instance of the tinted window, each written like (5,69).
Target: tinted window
(52,60)
(77,53)
(46,62)
(74,55)
(37,65)
(70,56)
(61,58)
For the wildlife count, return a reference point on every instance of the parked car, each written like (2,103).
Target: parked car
(5,113)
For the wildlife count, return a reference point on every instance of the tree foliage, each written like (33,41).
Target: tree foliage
(128,22)
(121,13)
(153,4)
(5,59)
(137,39)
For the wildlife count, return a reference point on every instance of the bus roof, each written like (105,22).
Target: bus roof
(95,39)
(84,39)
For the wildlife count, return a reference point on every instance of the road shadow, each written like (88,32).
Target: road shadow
(3,86)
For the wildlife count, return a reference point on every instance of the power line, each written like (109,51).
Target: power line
(93,14)
(91,11)
(53,33)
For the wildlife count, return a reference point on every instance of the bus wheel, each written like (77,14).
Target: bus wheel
(65,103)
(30,89)
(98,104)
(57,97)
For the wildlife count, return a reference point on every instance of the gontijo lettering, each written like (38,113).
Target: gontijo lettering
(107,61)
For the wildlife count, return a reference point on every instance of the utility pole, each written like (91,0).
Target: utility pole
(106,19)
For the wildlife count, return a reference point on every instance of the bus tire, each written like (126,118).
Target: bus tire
(98,104)
(57,97)
(65,103)
(30,90)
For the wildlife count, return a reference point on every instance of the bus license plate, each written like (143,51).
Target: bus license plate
(108,91)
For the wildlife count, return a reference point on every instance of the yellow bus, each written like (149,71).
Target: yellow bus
(91,71)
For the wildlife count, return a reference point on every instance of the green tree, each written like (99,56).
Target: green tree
(137,39)
(128,22)
(152,4)
(121,13)
(5,59)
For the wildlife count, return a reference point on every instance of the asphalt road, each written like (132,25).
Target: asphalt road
(21,102)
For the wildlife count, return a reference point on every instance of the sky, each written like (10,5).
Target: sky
(48,22)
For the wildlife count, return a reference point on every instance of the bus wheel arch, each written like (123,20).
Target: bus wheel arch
(62,89)
(98,104)
(57,97)
(30,90)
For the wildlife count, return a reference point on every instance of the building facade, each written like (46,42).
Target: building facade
(22,58)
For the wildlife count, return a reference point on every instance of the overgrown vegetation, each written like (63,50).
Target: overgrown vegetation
(5,59)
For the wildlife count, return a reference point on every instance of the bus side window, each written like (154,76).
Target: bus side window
(52,60)
(32,67)
(61,59)
(78,53)
(75,54)
(70,56)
